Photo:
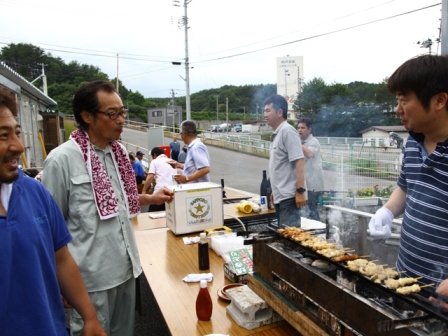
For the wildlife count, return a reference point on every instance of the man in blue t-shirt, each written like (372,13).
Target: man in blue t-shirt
(175,148)
(36,266)
(139,171)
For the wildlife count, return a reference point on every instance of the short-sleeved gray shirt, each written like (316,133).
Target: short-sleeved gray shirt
(105,250)
(285,150)
(313,166)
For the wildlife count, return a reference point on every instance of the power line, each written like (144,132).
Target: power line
(90,52)
(319,35)
(147,58)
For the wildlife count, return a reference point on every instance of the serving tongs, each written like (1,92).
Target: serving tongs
(254,237)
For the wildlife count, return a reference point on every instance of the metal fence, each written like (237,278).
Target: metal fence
(349,164)
(367,172)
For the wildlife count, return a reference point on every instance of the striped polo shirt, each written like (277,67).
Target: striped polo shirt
(424,235)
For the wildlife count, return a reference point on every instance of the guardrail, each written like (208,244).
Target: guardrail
(366,171)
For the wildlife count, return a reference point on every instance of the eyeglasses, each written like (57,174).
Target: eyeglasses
(114,114)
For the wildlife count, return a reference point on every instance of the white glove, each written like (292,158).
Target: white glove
(380,224)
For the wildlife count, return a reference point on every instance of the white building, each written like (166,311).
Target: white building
(42,127)
(384,136)
(289,79)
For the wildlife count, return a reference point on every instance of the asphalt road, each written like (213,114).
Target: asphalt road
(239,170)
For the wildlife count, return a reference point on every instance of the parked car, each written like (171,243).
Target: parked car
(238,128)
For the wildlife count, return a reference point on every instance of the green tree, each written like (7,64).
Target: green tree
(312,97)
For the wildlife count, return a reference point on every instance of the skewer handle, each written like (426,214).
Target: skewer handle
(428,285)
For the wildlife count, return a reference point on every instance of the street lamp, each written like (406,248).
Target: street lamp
(286,83)
(227,116)
(184,22)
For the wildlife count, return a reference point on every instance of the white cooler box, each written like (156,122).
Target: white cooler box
(196,207)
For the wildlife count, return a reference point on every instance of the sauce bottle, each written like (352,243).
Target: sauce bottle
(203,258)
(204,305)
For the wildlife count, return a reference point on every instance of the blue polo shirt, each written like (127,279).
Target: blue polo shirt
(30,234)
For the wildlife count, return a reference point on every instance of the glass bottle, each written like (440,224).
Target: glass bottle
(203,257)
(264,187)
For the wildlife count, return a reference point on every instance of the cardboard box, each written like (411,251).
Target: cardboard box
(196,207)
(233,277)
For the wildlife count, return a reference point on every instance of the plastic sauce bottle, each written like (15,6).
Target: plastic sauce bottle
(203,258)
(204,305)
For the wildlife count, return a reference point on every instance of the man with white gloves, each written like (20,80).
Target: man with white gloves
(381,223)
(421,88)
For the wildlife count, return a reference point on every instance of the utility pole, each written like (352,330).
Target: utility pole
(118,85)
(184,21)
(187,64)
(217,110)
(227,115)
(44,79)
(172,105)
(257,113)
(244,115)
(444,28)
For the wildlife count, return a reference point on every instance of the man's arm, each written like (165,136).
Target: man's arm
(300,182)
(309,153)
(193,177)
(74,291)
(396,202)
(148,182)
(163,195)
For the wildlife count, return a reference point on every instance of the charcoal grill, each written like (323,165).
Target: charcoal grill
(340,301)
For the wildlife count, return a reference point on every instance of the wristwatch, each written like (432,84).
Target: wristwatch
(186,178)
(300,190)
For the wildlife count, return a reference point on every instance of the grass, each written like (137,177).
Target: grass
(69,127)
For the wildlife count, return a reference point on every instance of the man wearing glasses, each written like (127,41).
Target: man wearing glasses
(92,181)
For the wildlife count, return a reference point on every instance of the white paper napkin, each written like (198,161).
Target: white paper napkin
(191,240)
(198,277)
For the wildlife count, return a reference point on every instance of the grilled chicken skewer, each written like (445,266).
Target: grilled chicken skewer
(394,284)
(406,290)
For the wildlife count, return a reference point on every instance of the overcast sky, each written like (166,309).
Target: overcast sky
(232,42)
